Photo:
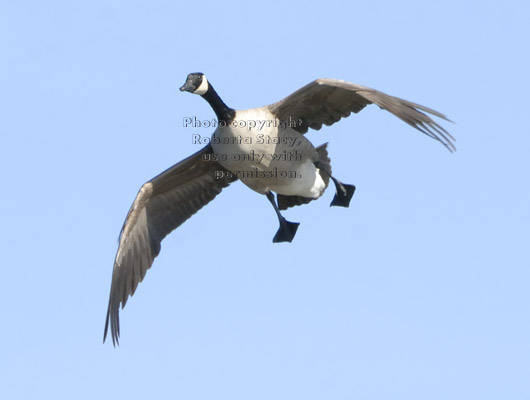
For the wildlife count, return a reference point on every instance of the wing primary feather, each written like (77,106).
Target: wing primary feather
(326,101)
(162,204)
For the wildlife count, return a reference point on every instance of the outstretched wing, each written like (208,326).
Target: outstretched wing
(325,101)
(162,204)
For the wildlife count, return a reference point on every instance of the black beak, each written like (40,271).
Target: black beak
(187,87)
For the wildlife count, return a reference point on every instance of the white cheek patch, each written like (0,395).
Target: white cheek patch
(203,87)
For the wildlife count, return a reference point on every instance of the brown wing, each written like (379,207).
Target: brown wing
(325,101)
(162,204)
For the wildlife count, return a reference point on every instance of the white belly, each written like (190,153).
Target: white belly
(266,156)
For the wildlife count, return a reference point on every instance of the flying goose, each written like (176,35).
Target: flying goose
(264,148)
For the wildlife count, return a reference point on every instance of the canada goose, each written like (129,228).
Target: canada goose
(263,147)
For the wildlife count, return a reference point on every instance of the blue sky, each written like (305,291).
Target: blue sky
(418,290)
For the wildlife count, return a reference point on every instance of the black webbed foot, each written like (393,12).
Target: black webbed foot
(343,194)
(286,231)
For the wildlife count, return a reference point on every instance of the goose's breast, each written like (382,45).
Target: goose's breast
(267,155)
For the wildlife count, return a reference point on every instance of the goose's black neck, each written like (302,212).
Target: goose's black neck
(224,113)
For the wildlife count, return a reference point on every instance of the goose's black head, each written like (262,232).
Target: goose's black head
(196,83)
